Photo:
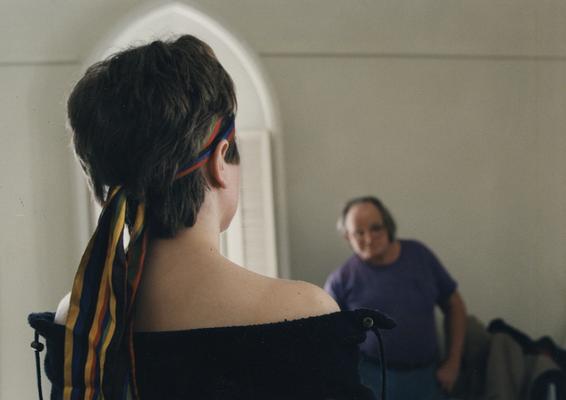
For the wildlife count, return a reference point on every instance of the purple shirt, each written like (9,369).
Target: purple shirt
(407,290)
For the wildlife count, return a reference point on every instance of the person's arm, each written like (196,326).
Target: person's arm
(455,314)
(63,310)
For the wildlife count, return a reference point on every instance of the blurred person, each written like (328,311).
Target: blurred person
(405,280)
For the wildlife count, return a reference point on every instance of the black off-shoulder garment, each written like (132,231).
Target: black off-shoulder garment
(311,358)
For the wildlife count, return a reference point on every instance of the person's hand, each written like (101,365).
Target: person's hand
(447,375)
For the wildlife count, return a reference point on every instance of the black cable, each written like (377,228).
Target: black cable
(38,347)
(383,366)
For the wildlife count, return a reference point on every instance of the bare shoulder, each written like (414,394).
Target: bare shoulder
(63,310)
(315,298)
(298,299)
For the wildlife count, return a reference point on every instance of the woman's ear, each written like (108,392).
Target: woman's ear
(216,165)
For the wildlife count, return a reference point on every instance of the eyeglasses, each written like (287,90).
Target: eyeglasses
(374,230)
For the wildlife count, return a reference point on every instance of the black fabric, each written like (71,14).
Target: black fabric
(540,388)
(54,342)
(311,358)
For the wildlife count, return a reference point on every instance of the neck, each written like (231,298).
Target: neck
(389,256)
(199,242)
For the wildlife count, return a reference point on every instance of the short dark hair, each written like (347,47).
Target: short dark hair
(140,114)
(388,220)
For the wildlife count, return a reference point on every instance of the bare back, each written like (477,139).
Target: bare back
(216,292)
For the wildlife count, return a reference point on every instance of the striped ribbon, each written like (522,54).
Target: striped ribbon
(209,146)
(99,361)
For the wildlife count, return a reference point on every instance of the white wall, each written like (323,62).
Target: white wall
(452,112)
(460,152)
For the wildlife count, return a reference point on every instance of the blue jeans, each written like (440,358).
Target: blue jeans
(416,384)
